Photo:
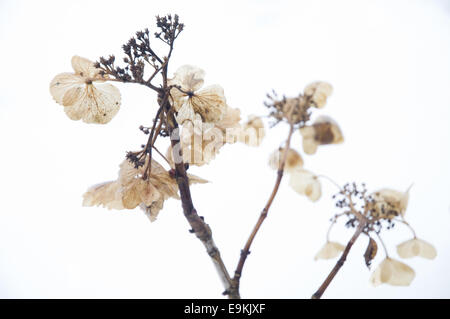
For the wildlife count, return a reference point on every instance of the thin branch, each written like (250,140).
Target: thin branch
(246,251)
(407,224)
(199,227)
(339,263)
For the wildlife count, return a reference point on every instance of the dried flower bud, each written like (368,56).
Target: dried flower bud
(293,159)
(323,131)
(306,183)
(416,247)
(318,92)
(392,272)
(330,250)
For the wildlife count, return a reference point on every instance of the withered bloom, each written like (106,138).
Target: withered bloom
(293,160)
(392,272)
(330,250)
(84,94)
(416,247)
(306,183)
(190,99)
(323,131)
(388,203)
(130,190)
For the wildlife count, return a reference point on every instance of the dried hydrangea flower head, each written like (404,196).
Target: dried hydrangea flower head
(416,247)
(291,110)
(84,94)
(389,203)
(318,92)
(330,250)
(323,131)
(306,183)
(293,159)
(253,131)
(392,272)
(189,99)
(370,214)
(130,190)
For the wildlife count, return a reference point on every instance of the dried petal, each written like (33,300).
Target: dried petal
(293,159)
(392,272)
(105,194)
(323,131)
(416,247)
(389,203)
(330,250)
(84,67)
(84,95)
(306,183)
(319,92)
(189,77)
(210,103)
(92,104)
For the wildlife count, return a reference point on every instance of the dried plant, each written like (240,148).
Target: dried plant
(199,122)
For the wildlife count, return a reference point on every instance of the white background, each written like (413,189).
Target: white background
(388,62)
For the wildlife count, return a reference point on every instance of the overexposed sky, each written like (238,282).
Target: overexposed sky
(388,62)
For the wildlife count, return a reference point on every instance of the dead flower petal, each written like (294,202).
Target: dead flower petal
(105,194)
(389,203)
(92,104)
(330,250)
(319,93)
(189,77)
(293,159)
(392,272)
(306,183)
(323,131)
(416,247)
(84,94)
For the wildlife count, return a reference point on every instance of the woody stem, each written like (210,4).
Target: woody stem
(246,251)
(318,294)
(199,227)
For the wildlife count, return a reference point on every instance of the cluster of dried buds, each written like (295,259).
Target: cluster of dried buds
(370,214)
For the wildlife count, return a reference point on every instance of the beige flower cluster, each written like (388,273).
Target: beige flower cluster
(207,122)
(130,190)
(84,94)
(322,132)
(387,204)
